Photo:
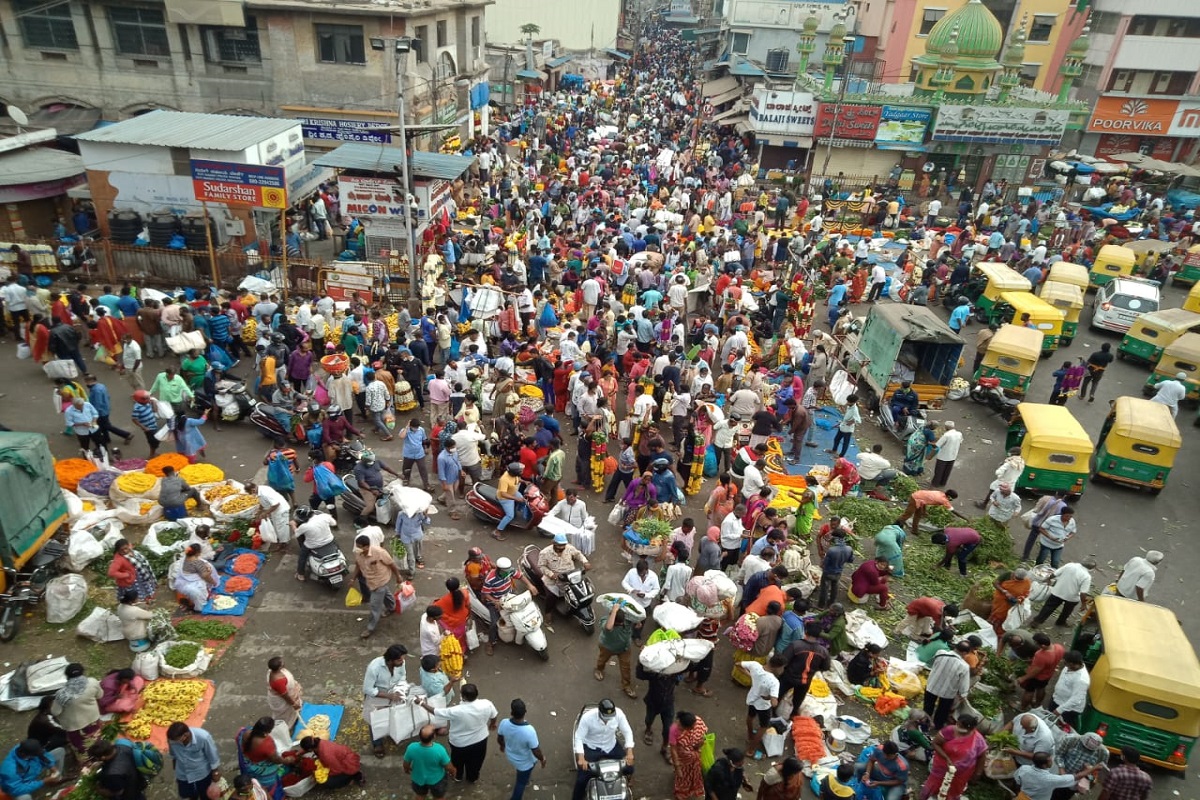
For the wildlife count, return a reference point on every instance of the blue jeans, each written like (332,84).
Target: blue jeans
(522,781)
(510,511)
(1055,554)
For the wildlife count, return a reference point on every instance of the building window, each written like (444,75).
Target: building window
(46,26)
(1178,26)
(475,32)
(442,37)
(1121,80)
(1029,74)
(1143,26)
(740,43)
(445,67)
(931,17)
(139,31)
(341,44)
(236,45)
(1169,82)
(1043,26)
(422,41)
(914,72)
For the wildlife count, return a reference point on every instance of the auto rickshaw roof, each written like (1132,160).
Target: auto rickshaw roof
(1117,254)
(1145,421)
(1054,428)
(1019,341)
(1030,303)
(1149,246)
(1004,277)
(1169,319)
(916,323)
(1066,292)
(1066,272)
(1147,651)
(1186,346)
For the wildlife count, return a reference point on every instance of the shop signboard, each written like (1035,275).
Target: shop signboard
(1134,116)
(853,121)
(1000,124)
(345,279)
(239,184)
(343,130)
(376,199)
(902,128)
(783,113)
(1186,121)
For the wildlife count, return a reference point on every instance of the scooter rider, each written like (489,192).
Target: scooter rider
(557,560)
(368,474)
(497,585)
(311,531)
(596,738)
(336,431)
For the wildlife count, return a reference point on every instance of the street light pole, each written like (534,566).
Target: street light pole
(401,58)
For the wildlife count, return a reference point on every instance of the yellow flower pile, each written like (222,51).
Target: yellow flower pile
(215,493)
(321,773)
(146,507)
(238,503)
(136,482)
(88,505)
(166,701)
(818,688)
(530,391)
(198,474)
(250,331)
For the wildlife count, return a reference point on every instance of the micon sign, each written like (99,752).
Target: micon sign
(853,121)
(240,184)
(1134,115)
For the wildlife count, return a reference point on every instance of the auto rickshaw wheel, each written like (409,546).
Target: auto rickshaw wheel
(1121,355)
(10,620)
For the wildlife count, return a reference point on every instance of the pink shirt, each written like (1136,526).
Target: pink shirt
(439,391)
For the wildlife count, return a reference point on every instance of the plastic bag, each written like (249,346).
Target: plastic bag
(773,743)
(266,529)
(676,617)
(708,752)
(65,597)
(629,606)
(1018,616)
(62,368)
(101,625)
(904,683)
(354,597)
(279,474)
(82,549)
(23,351)
(328,485)
(130,512)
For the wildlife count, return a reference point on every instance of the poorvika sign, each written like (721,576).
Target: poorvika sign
(853,121)
(783,113)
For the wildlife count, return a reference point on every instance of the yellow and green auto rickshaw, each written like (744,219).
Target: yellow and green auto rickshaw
(1148,252)
(1137,444)
(1066,272)
(1042,317)
(1192,301)
(1068,298)
(1012,356)
(1150,333)
(988,281)
(1188,273)
(1145,680)
(1113,261)
(1181,355)
(1056,448)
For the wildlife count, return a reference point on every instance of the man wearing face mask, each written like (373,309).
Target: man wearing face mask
(595,738)
(416,442)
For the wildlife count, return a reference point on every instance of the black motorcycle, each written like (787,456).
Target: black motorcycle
(26,588)
(577,590)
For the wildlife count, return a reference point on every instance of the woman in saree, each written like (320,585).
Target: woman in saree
(638,496)
(685,739)
(608,382)
(196,578)
(917,448)
(456,610)
(783,781)
(39,339)
(122,690)
(285,695)
(1011,588)
(259,758)
(77,708)
(721,500)
(508,449)
(961,745)
(192,368)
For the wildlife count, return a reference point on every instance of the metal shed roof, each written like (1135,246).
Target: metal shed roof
(196,131)
(38,164)
(380,158)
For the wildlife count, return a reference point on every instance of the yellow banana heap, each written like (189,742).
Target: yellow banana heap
(166,701)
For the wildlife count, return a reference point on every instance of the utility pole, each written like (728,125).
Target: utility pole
(402,46)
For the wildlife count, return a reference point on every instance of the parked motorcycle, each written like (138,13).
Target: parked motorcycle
(912,423)
(520,621)
(577,592)
(485,505)
(988,392)
(26,588)
(232,400)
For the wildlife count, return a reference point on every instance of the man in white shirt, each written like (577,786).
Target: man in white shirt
(730,537)
(1070,585)
(947,453)
(762,697)
(1071,692)
(470,724)
(677,294)
(935,208)
(15,300)
(643,407)
(591,296)
(878,280)
(752,480)
(569,348)
(873,466)
(1171,392)
(596,739)
(703,379)
(1138,575)
(313,532)
(570,509)
(744,402)
(466,444)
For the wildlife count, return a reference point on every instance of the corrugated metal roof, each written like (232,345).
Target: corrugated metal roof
(618,54)
(380,158)
(719,86)
(558,61)
(197,131)
(744,69)
(531,75)
(38,164)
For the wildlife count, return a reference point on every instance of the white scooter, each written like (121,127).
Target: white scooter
(520,622)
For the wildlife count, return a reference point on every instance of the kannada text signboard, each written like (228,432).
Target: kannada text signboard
(343,130)
(239,184)
(853,121)
(783,113)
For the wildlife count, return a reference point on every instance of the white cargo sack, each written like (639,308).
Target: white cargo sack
(146,665)
(65,596)
(74,505)
(409,499)
(82,549)
(63,368)
(633,611)
(1018,616)
(195,669)
(671,656)
(861,630)
(151,542)
(676,617)
(101,626)
(130,512)
(192,340)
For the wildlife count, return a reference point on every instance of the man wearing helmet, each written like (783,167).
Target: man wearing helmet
(595,738)
(311,531)
(508,493)
(498,584)
(335,431)
(368,473)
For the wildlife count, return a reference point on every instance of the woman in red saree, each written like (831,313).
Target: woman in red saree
(685,740)
(456,608)
(562,376)
(961,745)
(108,333)
(1010,589)
(39,339)
(858,284)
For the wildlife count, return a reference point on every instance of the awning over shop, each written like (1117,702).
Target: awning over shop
(618,54)
(725,97)
(718,86)
(744,127)
(734,118)
(68,120)
(307,180)
(558,61)
(803,142)
(866,143)
(744,69)
(38,164)
(369,157)
(531,75)
(731,115)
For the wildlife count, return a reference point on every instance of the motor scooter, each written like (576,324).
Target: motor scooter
(485,505)
(576,590)
(269,421)
(327,564)
(520,621)
(607,779)
(987,391)
(353,502)
(26,588)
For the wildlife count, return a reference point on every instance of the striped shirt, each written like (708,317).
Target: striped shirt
(144,416)
(497,586)
(949,676)
(218,327)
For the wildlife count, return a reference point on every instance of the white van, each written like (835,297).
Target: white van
(1121,301)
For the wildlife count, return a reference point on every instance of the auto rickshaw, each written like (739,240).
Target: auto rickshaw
(1181,355)
(1152,332)
(988,281)
(1056,448)
(1012,356)
(1066,272)
(1137,444)
(1148,252)
(1113,261)
(1145,687)
(1192,301)
(1068,298)
(1043,317)
(1188,273)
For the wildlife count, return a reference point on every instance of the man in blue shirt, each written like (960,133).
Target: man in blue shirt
(837,294)
(959,317)
(536,268)
(111,302)
(99,398)
(416,442)
(28,768)
(195,758)
(519,743)
(651,298)
(128,304)
(449,470)
(1033,274)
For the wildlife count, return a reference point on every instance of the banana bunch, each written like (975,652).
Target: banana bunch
(452,657)
(333,333)
(166,701)
(250,331)
(393,324)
